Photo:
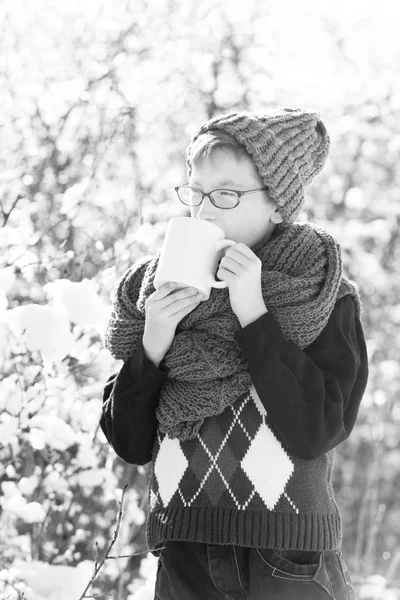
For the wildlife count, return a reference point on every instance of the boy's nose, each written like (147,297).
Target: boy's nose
(207,210)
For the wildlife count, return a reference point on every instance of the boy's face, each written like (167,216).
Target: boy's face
(250,222)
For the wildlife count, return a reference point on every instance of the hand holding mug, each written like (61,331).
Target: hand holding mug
(165,308)
(241,269)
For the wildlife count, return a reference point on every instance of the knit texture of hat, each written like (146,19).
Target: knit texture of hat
(288,147)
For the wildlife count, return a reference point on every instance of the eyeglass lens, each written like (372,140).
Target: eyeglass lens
(222,198)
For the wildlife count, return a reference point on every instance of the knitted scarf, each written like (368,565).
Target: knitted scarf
(301,280)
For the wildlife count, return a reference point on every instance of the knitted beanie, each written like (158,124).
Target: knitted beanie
(288,147)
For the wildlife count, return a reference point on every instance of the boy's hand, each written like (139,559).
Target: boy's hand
(165,308)
(241,269)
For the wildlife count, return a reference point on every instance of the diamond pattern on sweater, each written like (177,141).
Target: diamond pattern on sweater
(268,471)
(204,463)
(211,434)
(215,487)
(170,465)
(235,460)
(219,471)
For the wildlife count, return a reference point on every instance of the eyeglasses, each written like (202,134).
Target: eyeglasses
(225,199)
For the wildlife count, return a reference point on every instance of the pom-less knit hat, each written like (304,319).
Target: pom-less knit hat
(288,147)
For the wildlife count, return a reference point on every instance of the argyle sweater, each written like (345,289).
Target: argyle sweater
(260,473)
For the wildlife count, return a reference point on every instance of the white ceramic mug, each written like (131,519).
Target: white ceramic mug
(189,254)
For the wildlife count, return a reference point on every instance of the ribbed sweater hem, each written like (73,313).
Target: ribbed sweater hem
(284,531)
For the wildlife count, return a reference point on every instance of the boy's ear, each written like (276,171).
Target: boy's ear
(276,217)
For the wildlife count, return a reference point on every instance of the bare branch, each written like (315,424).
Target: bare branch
(105,557)
(6,215)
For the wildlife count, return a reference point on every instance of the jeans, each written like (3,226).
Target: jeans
(197,571)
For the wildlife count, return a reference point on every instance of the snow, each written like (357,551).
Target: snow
(7,277)
(55,482)
(9,489)
(45,330)
(375,588)
(53,582)
(148,572)
(32,512)
(78,300)
(14,503)
(14,236)
(10,394)
(9,429)
(52,431)
(5,332)
(27,485)
(86,457)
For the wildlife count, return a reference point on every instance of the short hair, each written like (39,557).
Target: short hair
(207,142)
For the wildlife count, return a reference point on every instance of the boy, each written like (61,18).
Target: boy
(240,400)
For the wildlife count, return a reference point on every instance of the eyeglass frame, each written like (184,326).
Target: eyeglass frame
(238,192)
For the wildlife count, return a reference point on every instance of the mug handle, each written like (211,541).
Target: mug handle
(220,245)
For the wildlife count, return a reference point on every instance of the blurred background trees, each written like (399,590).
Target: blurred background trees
(99,101)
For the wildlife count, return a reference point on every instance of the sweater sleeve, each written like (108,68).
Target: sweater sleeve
(130,400)
(312,396)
